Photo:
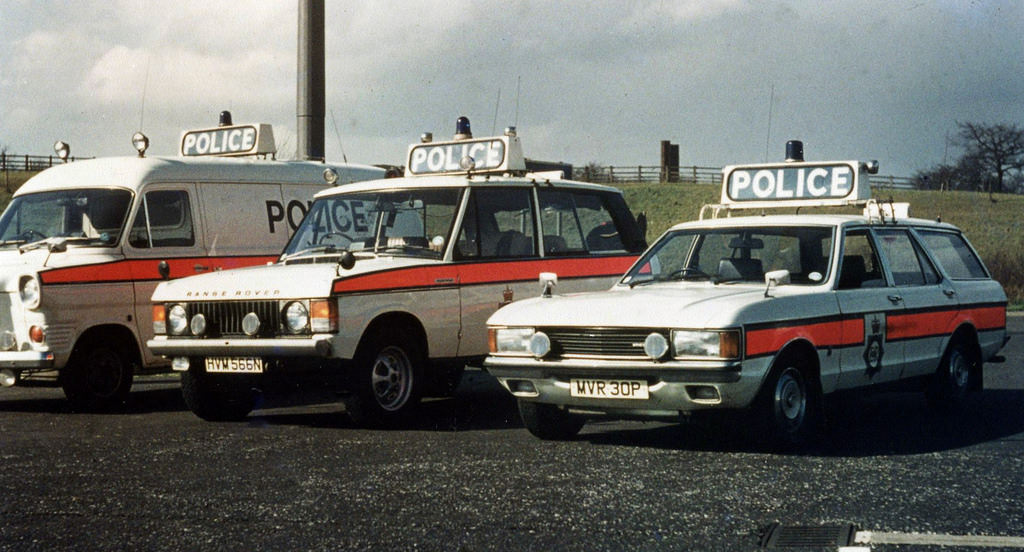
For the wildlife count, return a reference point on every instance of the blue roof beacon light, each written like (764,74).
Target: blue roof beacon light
(462,131)
(794,151)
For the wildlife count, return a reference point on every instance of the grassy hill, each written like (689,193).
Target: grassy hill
(996,228)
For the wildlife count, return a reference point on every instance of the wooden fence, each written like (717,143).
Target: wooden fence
(693,175)
(11,162)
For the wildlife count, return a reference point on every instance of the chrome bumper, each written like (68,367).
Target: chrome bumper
(26,359)
(672,387)
(314,346)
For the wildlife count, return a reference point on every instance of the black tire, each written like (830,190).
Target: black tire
(388,381)
(789,407)
(218,397)
(954,379)
(98,376)
(549,422)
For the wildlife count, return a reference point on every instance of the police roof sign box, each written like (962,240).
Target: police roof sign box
(255,139)
(496,155)
(795,183)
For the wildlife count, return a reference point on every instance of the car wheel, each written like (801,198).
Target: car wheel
(790,408)
(548,421)
(952,381)
(98,376)
(218,397)
(389,379)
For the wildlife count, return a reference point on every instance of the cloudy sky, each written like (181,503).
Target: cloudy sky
(728,80)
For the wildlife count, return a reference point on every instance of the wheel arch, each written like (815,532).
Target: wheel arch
(804,355)
(110,333)
(396,321)
(967,334)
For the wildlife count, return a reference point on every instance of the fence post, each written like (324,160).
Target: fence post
(639,173)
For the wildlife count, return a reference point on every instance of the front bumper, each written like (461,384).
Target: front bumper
(673,387)
(313,346)
(24,360)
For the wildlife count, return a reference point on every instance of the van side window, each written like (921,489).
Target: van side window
(498,223)
(907,262)
(954,254)
(164,220)
(860,267)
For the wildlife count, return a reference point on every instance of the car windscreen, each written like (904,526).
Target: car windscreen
(413,222)
(91,216)
(726,255)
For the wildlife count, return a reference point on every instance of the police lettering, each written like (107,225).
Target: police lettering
(441,158)
(276,213)
(231,140)
(769,184)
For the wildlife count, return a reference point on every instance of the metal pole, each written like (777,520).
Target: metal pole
(310,103)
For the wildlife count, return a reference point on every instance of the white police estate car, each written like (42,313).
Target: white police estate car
(768,313)
(386,286)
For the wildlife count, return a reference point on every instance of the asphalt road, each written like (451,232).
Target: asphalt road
(466,476)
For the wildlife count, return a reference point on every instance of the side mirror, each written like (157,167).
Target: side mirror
(164,269)
(641,222)
(548,280)
(775,278)
(347,260)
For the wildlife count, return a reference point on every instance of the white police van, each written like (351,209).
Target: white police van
(767,313)
(83,245)
(386,285)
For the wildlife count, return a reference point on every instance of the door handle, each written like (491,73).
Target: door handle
(895,298)
(949,292)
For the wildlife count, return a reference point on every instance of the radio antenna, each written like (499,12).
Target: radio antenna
(338,134)
(519,79)
(494,124)
(145,87)
(768,135)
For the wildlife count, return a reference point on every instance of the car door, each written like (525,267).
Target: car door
(930,304)
(164,230)
(867,303)
(497,258)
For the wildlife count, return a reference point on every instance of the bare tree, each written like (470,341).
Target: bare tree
(997,149)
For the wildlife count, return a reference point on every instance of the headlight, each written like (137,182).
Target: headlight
(28,288)
(510,341)
(696,343)
(296,317)
(177,319)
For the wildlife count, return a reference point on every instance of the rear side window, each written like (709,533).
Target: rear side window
(498,224)
(164,220)
(956,256)
(908,264)
(578,221)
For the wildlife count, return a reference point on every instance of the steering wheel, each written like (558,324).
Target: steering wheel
(30,233)
(333,234)
(686,271)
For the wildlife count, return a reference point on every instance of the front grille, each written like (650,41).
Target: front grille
(224,318)
(598,342)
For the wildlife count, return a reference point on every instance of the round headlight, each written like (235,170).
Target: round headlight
(655,346)
(540,344)
(251,324)
(296,317)
(177,318)
(198,324)
(29,291)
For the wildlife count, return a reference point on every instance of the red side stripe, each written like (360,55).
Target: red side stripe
(483,273)
(144,269)
(823,334)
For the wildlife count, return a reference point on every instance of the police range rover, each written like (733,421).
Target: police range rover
(384,290)
(83,245)
(765,313)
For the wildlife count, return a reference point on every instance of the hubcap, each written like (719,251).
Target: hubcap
(790,398)
(959,369)
(391,378)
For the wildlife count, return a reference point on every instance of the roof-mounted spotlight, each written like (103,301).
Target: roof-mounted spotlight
(141,143)
(871,166)
(462,131)
(63,150)
(330,176)
(426,137)
(510,131)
